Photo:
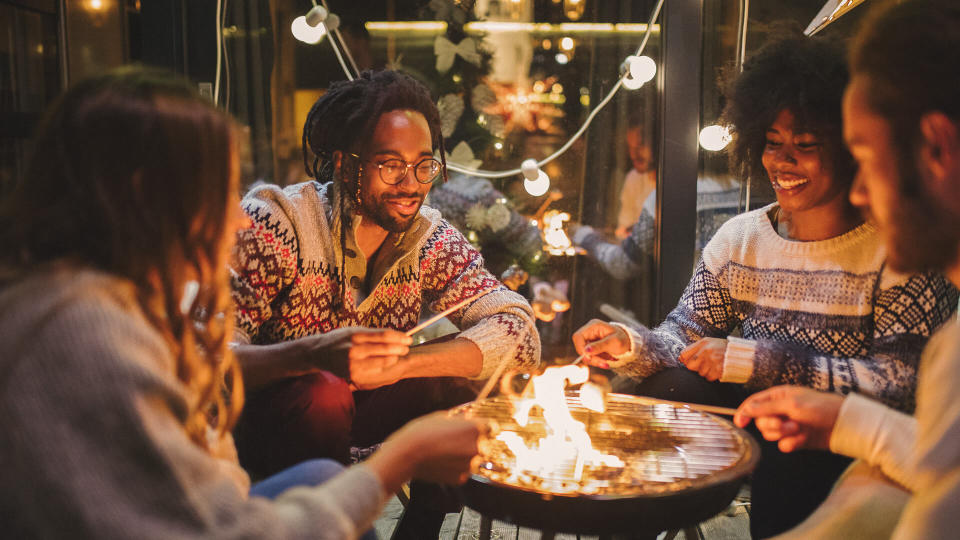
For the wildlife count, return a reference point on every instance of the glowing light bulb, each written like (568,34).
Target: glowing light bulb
(640,69)
(714,138)
(566,43)
(562,58)
(304,32)
(539,186)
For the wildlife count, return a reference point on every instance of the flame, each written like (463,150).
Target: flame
(566,439)
(558,243)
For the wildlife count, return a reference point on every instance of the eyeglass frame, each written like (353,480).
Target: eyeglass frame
(407,167)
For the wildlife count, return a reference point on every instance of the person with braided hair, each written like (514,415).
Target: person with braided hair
(333,272)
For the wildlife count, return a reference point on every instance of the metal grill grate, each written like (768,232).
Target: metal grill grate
(665,449)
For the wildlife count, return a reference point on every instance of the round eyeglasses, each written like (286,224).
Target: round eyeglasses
(392,171)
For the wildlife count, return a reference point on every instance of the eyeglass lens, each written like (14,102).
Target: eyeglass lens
(393,170)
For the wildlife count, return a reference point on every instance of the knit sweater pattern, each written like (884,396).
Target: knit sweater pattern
(826,314)
(292,277)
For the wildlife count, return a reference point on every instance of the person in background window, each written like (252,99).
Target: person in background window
(117,388)
(717,201)
(902,125)
(640,182)
(804,281)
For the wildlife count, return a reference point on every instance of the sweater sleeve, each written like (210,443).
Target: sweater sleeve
(629,257)
(932,512)
(878,435)
(704,310)
(100,444)
(264,261)
(501,323)
(904,317)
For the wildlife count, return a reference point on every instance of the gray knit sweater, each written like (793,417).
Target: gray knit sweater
(92,439)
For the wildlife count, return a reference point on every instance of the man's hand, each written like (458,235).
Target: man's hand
(369,357)
(796,416)
(600,342)
(705,357)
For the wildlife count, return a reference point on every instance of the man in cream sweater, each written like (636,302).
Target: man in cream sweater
(902,125)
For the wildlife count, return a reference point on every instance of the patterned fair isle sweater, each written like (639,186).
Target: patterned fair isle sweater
(292,278)
(827,314)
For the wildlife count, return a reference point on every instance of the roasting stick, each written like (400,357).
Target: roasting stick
(446,312)
(713,409)
(492,381)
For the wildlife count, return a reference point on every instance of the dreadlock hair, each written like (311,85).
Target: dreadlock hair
(132,175)
(344,118)
(806,76)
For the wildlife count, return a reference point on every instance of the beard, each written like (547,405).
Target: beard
(376,210)
(923,235)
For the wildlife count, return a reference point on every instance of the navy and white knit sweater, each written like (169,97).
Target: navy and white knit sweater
(827,314)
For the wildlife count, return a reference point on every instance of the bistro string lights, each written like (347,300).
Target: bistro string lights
(637,70)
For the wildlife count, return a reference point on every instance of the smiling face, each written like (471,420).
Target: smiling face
(799,167)
(399,134)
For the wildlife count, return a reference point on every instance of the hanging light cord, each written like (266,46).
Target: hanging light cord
(510,172)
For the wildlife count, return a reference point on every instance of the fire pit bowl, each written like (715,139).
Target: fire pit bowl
(679,467)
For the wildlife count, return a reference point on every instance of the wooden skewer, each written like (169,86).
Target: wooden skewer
(492,381)
(446,312)
(713,409)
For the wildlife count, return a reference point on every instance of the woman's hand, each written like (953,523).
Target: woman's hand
(796,416)
(705,357)
(600,342)
(434,448)
(368,357)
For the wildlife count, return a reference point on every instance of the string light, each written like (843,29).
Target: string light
(535,181)
(306,32)
(638,70)
(539,184)
(714,138)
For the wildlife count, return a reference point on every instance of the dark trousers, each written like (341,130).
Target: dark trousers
(785,487)
(317,416)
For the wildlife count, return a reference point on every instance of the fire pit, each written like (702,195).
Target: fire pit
(656,467)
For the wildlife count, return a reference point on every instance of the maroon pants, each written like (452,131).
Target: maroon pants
(317,416)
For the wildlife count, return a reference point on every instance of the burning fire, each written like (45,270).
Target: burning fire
(566,441)
(558,243)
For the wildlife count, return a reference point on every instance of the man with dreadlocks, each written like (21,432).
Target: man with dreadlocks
(333,271)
